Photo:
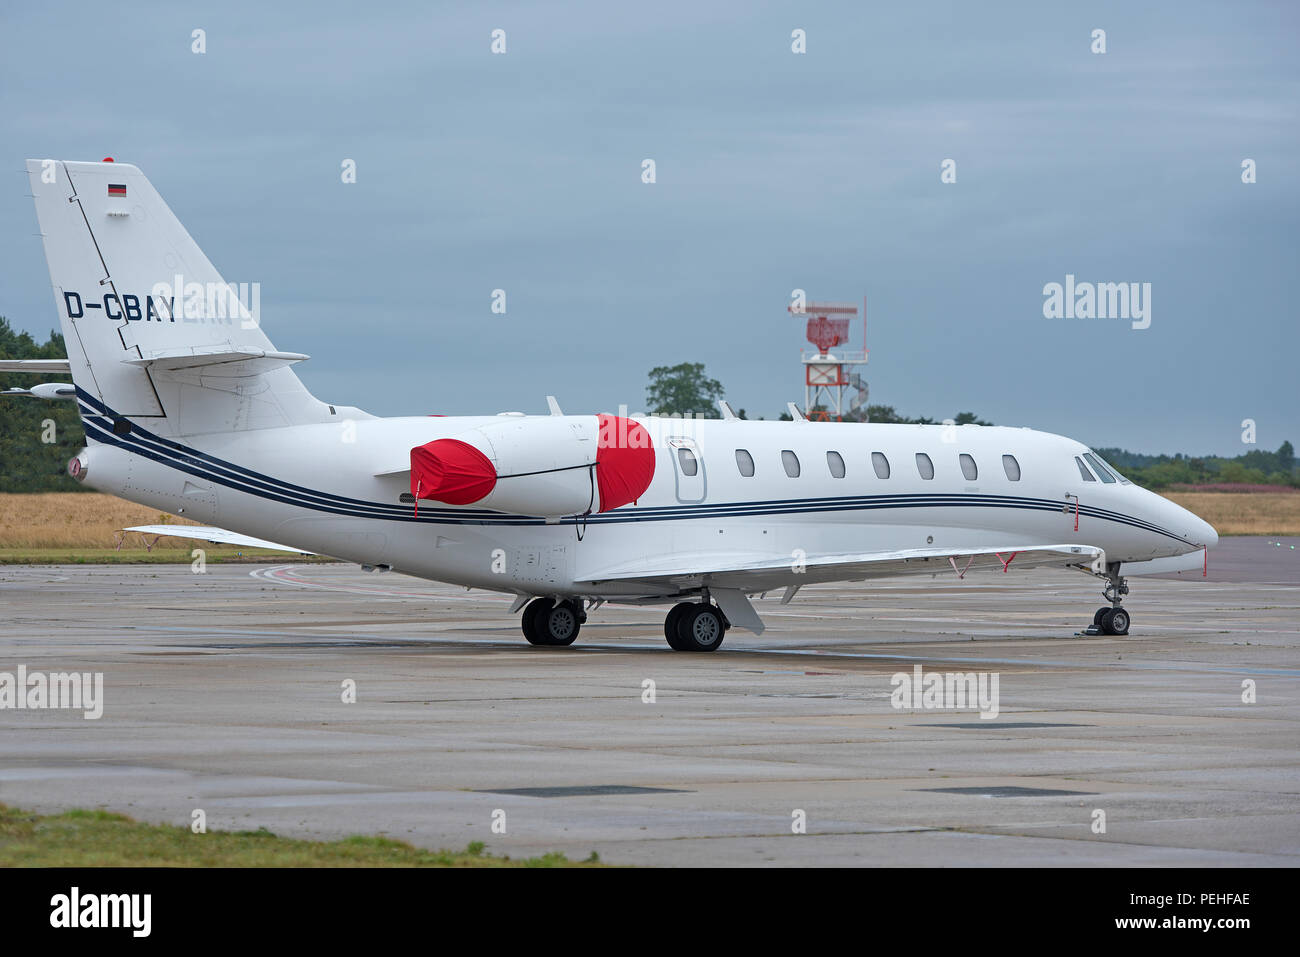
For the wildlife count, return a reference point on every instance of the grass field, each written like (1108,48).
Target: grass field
(77,520)
(85,527)
(102,839)
(1245,513)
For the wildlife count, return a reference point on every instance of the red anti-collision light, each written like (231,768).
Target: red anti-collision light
(108,159)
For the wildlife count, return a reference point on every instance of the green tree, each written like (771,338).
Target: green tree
(683,389)
(1286,458)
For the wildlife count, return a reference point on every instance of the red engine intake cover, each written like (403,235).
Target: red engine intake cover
(451,471)
(625,461)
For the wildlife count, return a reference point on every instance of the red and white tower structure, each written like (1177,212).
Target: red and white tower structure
(829,369)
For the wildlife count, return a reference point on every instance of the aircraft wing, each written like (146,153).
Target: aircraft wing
(750,574)
(209,533)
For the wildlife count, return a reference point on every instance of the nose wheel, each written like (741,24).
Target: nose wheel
(1110,621)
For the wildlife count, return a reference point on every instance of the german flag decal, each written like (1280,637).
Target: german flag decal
(116,189)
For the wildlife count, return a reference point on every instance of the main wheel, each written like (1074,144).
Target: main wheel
(671,622)
(552,623)
(1096,618)
(1115,622)
(559,624)
(700,628)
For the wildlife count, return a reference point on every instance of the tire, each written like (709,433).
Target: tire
(700,628)
(1096,618)
(1118,621)
(670,625)
(558,624)
(529,621)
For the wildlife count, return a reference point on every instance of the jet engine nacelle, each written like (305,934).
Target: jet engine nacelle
(549,467)
(47,390)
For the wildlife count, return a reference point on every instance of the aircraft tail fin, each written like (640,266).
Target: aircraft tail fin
(153,331)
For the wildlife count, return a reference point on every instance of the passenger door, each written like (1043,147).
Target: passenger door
(688,467)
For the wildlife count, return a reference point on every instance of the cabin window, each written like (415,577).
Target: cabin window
(686,459)
(791,463)
(745,462)
(924,465)
(880,464)
(835,462)
(1011,467)
(968,468)
(1083,470)
(1103,473)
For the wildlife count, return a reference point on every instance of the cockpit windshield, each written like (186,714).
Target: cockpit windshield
(1105,471)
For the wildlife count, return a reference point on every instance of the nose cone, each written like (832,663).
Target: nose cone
(1182,522)
(1192,527)
(1206,530)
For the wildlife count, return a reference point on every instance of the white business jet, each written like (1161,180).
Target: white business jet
(189,408)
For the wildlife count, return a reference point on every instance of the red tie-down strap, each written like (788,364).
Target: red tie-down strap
(1006,561)
(961,572)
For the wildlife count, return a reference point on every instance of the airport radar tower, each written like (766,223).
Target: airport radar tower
(828,375)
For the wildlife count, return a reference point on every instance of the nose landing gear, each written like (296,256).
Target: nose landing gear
(1112,620)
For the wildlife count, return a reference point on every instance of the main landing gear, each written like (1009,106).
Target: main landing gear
(690,626)
(695,626)
(1112,620)
(550,622)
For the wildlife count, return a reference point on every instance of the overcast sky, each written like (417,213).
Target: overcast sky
(775,171)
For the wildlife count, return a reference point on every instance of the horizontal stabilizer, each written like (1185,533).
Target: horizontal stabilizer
(39,366)
(217,361)
(209,533)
